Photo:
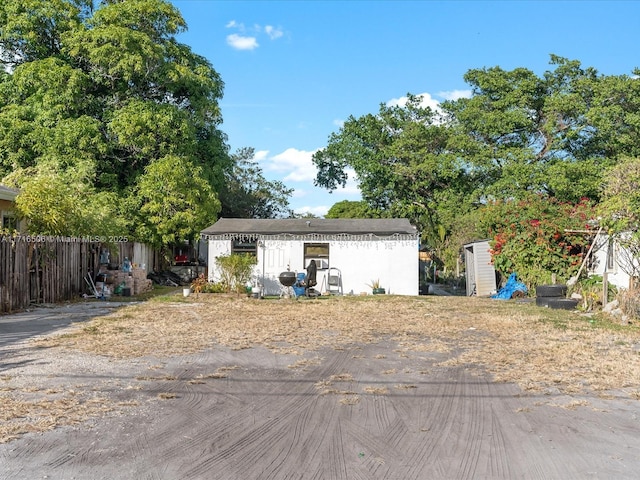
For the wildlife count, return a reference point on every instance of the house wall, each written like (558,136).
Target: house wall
(599,264)
(393,261)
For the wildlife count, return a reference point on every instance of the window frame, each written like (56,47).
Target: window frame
(320,252)
(611,256)
(245,246)
(9,221)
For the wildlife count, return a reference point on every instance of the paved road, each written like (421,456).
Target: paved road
(46,319)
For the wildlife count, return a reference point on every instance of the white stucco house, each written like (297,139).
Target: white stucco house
(357,251)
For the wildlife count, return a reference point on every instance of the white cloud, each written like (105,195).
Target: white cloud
(338,123)
(455,94)
(273,32)
(260,155)
(240,42)
(299,193)
(426,101)
(247,38)
(297,162)
(8,67)
(296,166)
(318,211)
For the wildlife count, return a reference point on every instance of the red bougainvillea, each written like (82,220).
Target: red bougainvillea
(538,237)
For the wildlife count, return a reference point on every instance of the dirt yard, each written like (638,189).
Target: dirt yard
(384,387)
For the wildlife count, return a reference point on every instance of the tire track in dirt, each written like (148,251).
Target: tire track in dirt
(497,455)
(196,410)
(262,445)
(312,443)
(268,421)
(295,451)
(193,395)
(296,445)
(467,438)
(334,461)
(439,404)
(206,422)
(374,449)
(473,422)
(381,414)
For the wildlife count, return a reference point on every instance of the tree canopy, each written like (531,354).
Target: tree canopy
(517,137)
(247,194)
(402,161)
(98,100)
(351,209)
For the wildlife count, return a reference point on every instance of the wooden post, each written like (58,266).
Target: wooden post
(553,279)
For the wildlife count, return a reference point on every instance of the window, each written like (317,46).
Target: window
(245,246)
(9,222)
(318,252)
(611,256)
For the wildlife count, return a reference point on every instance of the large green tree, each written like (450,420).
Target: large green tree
(103,93)
(529,134)
(246,193)
(403,163)
(352,209)
(518,134)
(170,198)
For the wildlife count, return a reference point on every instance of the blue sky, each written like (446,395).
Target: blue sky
(294,70)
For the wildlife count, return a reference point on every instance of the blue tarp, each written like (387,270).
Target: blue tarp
(512,286)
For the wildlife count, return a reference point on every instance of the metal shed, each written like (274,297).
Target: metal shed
(480,274)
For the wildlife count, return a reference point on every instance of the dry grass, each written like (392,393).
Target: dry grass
(376,390)
(24,412)
(630,303)
(350,399)
(515,342)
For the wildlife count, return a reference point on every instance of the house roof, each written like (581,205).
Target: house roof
(301,226)
(7,193)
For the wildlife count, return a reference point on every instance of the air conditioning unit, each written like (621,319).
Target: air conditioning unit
(321,263)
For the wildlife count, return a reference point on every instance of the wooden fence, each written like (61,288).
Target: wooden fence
(43,269)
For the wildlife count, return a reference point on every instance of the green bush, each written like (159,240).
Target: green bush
(591,288)
(235,270)
(215,287)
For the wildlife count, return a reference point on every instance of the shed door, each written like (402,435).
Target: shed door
(481,276)
(470,267)
(485,273)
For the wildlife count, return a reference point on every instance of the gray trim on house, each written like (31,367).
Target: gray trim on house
(7,193)
(301,226)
